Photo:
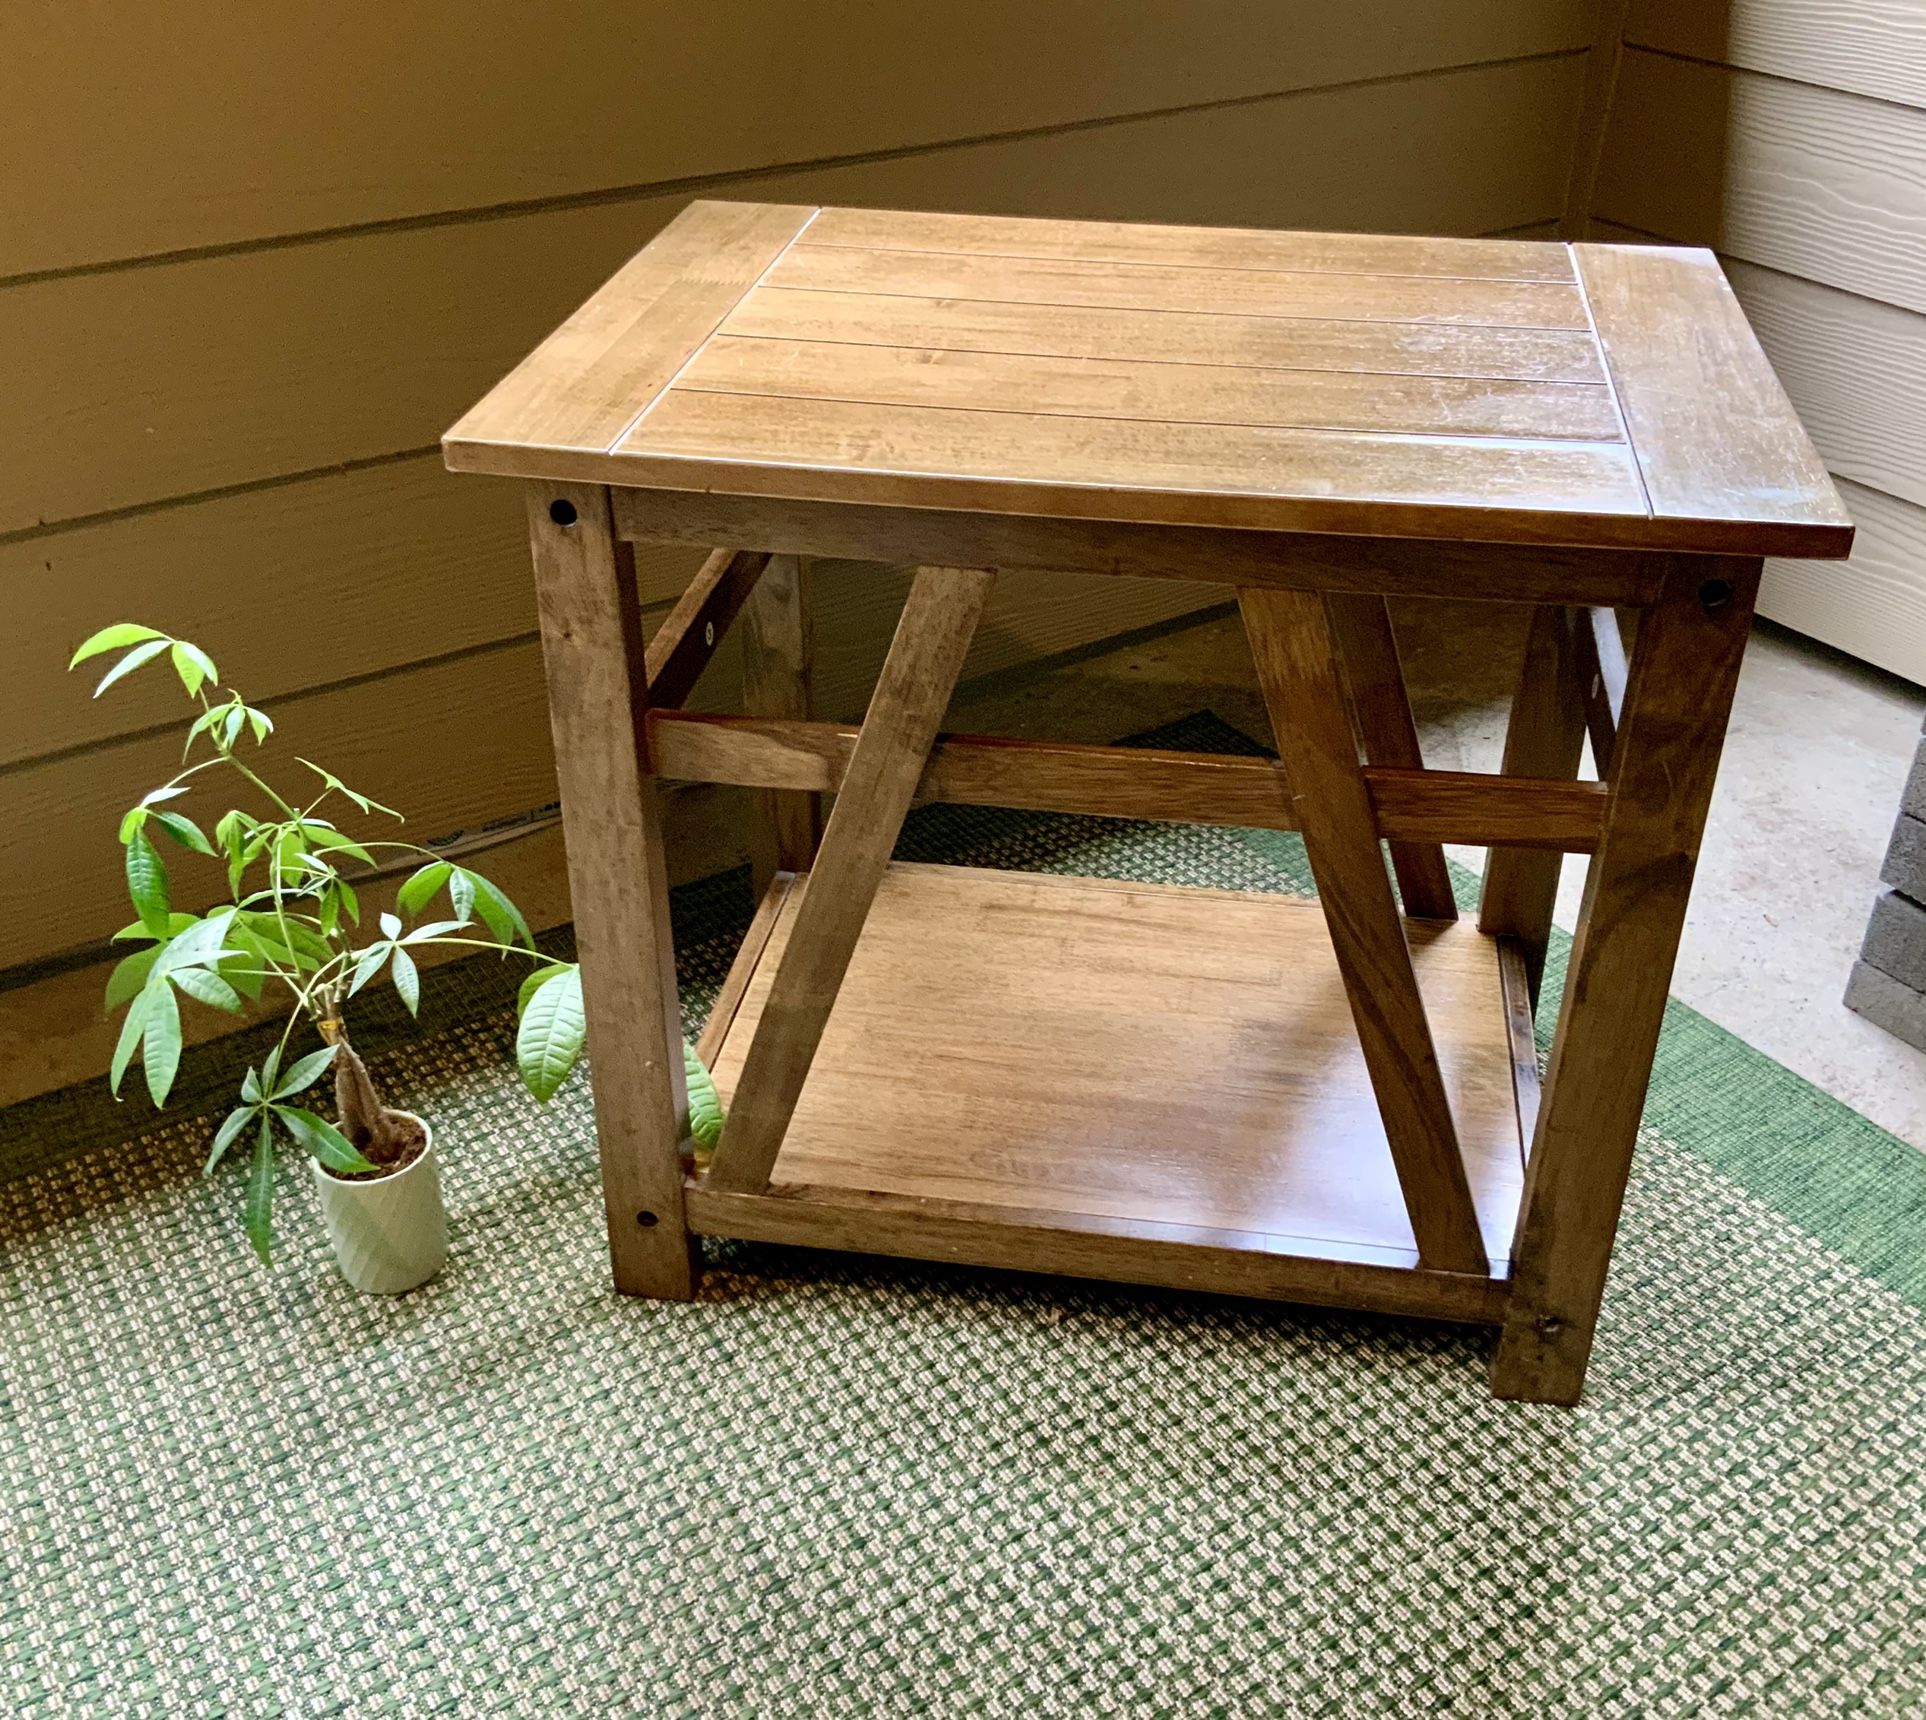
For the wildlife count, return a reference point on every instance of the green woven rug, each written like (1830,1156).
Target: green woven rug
(848,1487)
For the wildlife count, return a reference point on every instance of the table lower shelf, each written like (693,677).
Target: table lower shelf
(1141,1082)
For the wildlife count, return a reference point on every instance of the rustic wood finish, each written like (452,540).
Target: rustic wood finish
(889,756)
(1544,738)
(598,702)
(1326,1102)
(1297,671)
(1369,649)
(1415,806)
(1685,668)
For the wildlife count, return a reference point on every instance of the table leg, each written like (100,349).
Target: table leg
(1369,650)
(1544,737)
(594,654)
(925,657)
(1297,670)
(777,659)
(1685,666)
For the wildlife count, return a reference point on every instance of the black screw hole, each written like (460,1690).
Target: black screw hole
(563,514)
(1715,594)
(645,1219)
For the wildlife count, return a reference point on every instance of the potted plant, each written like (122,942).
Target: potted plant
(291,925)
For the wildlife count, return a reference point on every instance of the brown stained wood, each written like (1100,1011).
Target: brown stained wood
(691,632)
(1085,1245)
(1426,806)
(1151,1059)
(1685,666)
(776,679)
(1088,426)
(1600,650)
(1172,337)
(1716,438)
(1228,289)
(1544,737)
(1515,987)
(598,700)
(583,386)
(1083,387)
(1190,247)
(1369,652)
(1288,561)
(735,983)
(1297,671)
(898,730)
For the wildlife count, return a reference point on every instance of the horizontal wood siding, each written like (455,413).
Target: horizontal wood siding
(236,325)
(1803,160)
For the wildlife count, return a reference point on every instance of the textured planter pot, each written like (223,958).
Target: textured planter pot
(389,1233)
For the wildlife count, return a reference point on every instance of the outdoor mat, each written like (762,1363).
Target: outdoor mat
(838,1486)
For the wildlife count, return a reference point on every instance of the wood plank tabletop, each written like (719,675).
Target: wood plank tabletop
(1469,389)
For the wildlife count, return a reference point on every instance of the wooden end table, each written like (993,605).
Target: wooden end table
(1335,1102)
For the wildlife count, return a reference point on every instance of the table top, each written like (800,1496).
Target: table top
(1471,389)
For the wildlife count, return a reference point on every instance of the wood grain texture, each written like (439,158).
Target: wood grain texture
(1143,555)
(778,668)
(1298,674)
(1685,667)
(494,104)
(1081,386)
(1057,1045)
(1854,369)
(1368,649)
(1602,676)
(618,884)
(1084,1245)
(1137,782)
(1813,182)
(911,694)
(687,639)
(1544,737)
(1872,47)
(1714,434)
(1873,606)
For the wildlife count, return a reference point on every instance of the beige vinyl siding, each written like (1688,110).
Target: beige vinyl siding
(1803,160)
(222,410)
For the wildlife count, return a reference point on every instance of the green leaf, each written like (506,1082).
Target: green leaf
(407,980)
(323,836)
(534,983)
(147,884)
(350,902)
(549,1040)
(259,1217)
(110,638)
(270,1069)
(243,970)
(225,1137)
(335,783)
(461,894)
(413,896)
(206,986)
(262,725)
(322,1139)
(161,1056)
(132,661)
(498,913)
(129,975)
(705,1103)
(305,1073)
(194,667)
(155,796)
(184,831)
(135,817)
(368,964)
(132,1027)
(231,724)
(251,1088)
(434,929)
(176,924)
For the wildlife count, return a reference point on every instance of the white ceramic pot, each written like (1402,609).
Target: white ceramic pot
(389,1233)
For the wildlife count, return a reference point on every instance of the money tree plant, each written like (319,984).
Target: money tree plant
(291,927)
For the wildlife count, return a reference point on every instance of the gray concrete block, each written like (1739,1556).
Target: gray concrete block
(1886,1003)
(1905,865)
(1912,799)
(1896,939)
